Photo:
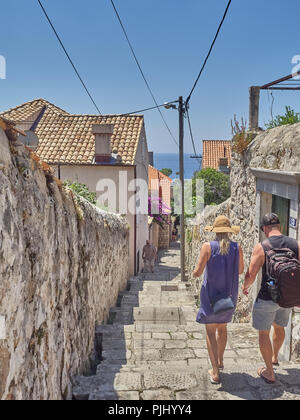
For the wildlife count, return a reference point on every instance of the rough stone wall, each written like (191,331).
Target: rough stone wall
(62,265)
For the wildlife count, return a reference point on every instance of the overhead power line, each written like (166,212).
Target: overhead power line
(141,71)
(148,109)
(209,52)
(68,56)
(192,137)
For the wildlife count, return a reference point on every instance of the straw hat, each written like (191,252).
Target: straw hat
(222,225)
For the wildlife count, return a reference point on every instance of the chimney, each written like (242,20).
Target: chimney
(102,133)
(223,165)
(151,158)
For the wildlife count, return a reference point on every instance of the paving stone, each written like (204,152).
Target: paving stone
(162,336)
(201,352)
(199,395)
(154,344)
(197,344)
(115,344)
(147,355)
(128,382)
(198,362)
(156,314)
(175,344)
(156,328)
(174,354)
(103,396)
(179,336)
(128,395)
(158,395)
(174,381)
(116,354)
(178,364)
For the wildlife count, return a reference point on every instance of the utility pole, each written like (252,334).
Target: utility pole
(181,169)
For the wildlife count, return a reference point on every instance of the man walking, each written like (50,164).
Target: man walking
(266,312)
(149,257)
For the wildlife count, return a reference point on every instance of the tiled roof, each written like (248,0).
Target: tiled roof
(68,139)
(213,150)
(155,174)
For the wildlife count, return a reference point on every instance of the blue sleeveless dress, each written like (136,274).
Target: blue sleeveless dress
(221,279)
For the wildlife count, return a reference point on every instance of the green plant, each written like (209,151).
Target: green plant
(241,139)
(216,186)
(290,117)
(81,190)
(166,171)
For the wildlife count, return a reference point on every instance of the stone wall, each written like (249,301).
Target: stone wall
(62,265)
(276,149)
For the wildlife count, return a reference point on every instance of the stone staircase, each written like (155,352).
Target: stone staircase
(152,349)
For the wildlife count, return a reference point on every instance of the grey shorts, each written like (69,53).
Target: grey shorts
(266,312)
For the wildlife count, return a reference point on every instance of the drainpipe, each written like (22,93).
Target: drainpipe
(135,231)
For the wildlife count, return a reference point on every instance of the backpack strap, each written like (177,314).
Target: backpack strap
(267,246)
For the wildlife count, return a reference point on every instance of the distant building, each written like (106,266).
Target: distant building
(217,155)
(91,148)
(160,186)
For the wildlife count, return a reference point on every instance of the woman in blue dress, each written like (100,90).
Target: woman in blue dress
(224,262)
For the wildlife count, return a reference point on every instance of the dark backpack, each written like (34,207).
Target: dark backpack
(283,272)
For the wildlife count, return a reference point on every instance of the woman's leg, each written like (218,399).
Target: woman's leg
(212,347)
(222,342)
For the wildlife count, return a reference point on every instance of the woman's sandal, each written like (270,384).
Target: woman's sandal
(212,381)
(260,374)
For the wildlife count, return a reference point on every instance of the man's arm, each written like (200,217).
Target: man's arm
(205,254)
(256,263)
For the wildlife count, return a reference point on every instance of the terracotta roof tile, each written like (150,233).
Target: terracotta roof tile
(68,138)
(213,150)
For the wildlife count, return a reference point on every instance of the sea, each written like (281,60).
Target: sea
(171,160)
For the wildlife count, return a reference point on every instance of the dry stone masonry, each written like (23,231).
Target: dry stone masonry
(63,263)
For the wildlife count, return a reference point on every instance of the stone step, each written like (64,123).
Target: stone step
(157,315)
(238,381)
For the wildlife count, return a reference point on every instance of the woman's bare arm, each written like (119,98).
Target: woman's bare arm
(205,254)
(241,261)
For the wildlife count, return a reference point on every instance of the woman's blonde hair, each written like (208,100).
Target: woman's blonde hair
(225,242)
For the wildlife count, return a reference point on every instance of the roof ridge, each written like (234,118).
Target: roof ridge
(43,102)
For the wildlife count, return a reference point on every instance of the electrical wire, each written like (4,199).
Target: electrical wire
(141,71)
(148,109)
(209,52)
(68,56)
(192,137)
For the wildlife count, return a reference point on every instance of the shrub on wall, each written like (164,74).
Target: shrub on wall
(81,190)
(290,117)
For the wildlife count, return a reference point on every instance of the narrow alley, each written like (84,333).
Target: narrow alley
(152,349)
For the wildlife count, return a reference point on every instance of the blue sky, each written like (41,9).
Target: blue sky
(171,39)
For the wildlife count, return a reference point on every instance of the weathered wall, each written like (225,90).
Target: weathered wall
(62,265)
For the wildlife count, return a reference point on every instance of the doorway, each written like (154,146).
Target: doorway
(281,206)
